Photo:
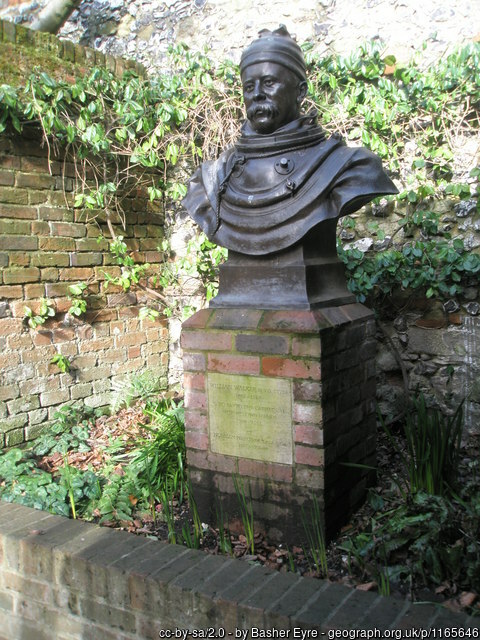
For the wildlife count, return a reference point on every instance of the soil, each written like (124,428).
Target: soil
(126,425)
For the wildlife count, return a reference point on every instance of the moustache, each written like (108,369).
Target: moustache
(265,109)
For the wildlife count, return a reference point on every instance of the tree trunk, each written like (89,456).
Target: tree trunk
(52,17)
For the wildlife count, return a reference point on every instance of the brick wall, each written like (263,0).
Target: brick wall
(45,246)
(69,580)
(328,355)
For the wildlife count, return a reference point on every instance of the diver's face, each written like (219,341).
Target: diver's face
(272,96)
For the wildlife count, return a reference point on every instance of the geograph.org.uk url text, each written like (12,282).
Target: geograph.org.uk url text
(306,634)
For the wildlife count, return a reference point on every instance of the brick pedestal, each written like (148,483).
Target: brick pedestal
(326,359)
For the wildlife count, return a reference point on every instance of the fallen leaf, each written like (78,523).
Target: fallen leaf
(367,586)
(467,598)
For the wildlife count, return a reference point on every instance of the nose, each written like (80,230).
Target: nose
(258,92)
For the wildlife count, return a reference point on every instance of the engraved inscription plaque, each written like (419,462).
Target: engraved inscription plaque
(250,417)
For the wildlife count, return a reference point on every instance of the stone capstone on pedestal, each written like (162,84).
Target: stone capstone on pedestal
(285,401)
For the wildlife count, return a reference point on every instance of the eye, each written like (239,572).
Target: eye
(269,82)
(248,88)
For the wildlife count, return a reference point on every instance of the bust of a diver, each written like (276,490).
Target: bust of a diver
(273,199)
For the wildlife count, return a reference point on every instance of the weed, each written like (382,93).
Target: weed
(68,432)
(138,385)
(45,311)
(314,531)
(430,460)
(158,458)
(224,540)
(246,511)
(62,362)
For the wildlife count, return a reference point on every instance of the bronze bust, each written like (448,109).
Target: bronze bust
(273,199)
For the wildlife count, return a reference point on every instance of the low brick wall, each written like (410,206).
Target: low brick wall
(66,579)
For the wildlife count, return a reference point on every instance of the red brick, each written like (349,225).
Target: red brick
(9,162)
(34,291)
(288,368)
(310,477)
(296,321)
(196,440)
(55,213)
(310,456)
(63,334)
(10,325)
(50,259)
(42,337)
(40,354)
(226,363)
(41,165)
(194,362)
(103,315)
(17,276)
(37,197)
(34,181)
(75,273)
(18,212)
(12,195)
(9,360)
(262,343)
(49,274)
(18,243)
(128,366)
(199,320)
(62,305)
(307,390)
(195,400)
(20,341)
(68,229)
(235,319)
(199,460)
(8,392)
(127,312)
(11,292)
(306,346)
(256,469)
(85,332)
(195,421)
(134,352)
(114,355)
(19,258)
(15,227)
(206,341)
(133,324)
(7,178)
(308,434)
(194,381)
(131,339)
(46,243)
(50,398)
(56,289)
(307,413)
